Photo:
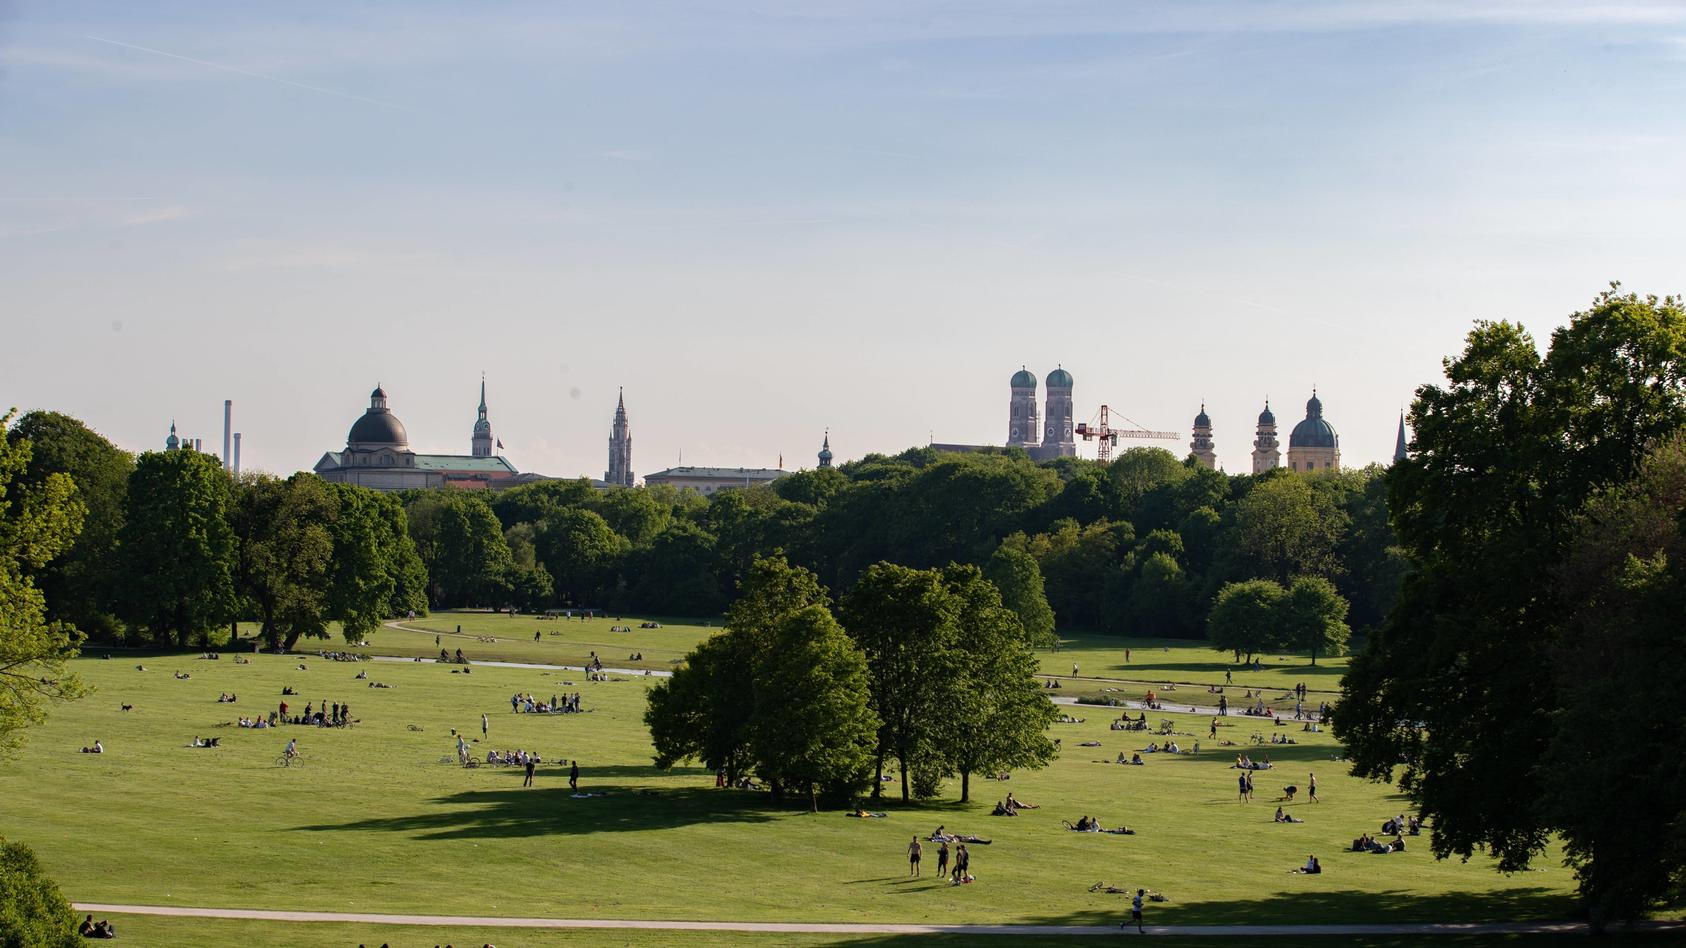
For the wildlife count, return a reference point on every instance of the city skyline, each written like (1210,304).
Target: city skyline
(769,221)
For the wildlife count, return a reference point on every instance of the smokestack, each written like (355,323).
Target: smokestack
(198,445)
(227,427)
(237,454)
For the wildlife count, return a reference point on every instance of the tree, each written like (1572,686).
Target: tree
(36,525)
(812,726)
(462,544)
(906,620)
(1000,716)
(283,554)
(177,549)
(706,710)
(579,549)
(375,571)
(1625,571)
(1019,580)
(1287,529)
(33,912)
(1505,454)
(1245,617)
(1314,617)
(79,584)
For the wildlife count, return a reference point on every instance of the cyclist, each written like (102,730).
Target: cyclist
(292,751)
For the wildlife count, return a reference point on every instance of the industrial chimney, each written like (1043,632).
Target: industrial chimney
(237,454)
(227,429)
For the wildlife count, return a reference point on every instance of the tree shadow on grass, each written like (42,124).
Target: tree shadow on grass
(551,810)
(1311,903)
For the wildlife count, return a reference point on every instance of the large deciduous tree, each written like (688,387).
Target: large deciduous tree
(1015,573)
(1287,529)
(1000,716)
(906,620)
(80,583)
(1313,617)
(177,548)
(37,523)
(284,549)
(813,729)
(1505,454)
(1246,618)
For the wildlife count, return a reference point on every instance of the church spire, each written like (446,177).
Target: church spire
(825,450)
(620,447)
(1399,445)
(481,443)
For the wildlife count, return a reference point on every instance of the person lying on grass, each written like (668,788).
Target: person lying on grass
(1013,804)
(943,836)
(1111,889)
(1088,824)
(1282,817)
(867,814)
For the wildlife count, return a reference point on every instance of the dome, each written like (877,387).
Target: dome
(1023,379)
(1314,433)
(378,425)
(1266,417)
(1059,378)
(1202,420)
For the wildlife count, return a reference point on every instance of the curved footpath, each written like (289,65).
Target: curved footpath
(827,928)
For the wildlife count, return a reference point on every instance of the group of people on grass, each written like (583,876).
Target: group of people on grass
(336,715)
(962,871)
(520,703)
(1011,807)
(92,929)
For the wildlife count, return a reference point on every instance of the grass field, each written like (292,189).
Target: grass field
(374,821)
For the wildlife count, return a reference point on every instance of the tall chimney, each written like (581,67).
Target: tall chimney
(237,454)
(227,428)
(198,445)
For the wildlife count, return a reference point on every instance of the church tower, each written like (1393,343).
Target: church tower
(482,443)
(1057,440)
(1313,445)
(620,448)
(1267,453)
(825,452)
(1021,411)
(1399,445)
(172,443)
(1201,446)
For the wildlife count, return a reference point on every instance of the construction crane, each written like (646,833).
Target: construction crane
(1108,436)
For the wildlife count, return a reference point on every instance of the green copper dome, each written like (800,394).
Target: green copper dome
(1023,379)
(1059,378)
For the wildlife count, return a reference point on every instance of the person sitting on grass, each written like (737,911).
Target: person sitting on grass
(1362,843)
(1311,868)
(1414,825)
(1282,817)
(1013,804)
(1136,759)
(1398,844)
(1084,824)
(1002,809)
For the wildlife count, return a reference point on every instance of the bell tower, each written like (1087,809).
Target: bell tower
(482,441)
(1267,451)
(1201,447)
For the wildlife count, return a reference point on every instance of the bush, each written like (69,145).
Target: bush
(33,913)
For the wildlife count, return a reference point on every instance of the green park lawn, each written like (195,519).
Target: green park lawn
(375,822)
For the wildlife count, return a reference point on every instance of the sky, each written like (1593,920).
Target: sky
(765,220)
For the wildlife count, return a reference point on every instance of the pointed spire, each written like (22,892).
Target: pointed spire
(1399,452)
(482,392)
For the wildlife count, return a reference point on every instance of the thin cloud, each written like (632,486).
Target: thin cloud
(256,75)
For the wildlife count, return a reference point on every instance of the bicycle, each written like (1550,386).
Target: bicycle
(290,760)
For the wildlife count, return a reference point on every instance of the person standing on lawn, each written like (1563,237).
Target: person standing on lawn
(914,851)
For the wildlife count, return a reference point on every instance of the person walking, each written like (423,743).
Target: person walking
(574,775)
(1311,786)
(1126,656)
(1241,785)
(532,764)
(914,851)
(1249,778)
(962,864)
(942,858)
(1214,727)
(485,725)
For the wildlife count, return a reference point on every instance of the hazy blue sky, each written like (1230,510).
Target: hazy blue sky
(769,218)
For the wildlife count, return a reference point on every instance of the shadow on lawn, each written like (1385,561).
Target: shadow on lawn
(550,810)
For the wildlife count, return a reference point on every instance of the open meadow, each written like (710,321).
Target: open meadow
(380,818)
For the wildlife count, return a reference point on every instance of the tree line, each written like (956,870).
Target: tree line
(923,670)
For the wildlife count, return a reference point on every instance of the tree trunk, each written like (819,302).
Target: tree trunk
(292,638)
(902,761)
(878,779)
(813,799)
(965,786)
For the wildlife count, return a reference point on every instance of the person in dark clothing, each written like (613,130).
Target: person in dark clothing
(531,765)
(574,775)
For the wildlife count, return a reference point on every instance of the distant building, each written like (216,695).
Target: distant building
(377,455)
(1057,435)
(1313,445)
(711,480)
(1201,447)
(1399,445)
(825,452)
(620,473)
(1267,453)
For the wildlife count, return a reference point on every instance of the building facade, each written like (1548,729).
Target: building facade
(620,473)
(712,480)
(1202,447)
(377,455)
(1313,445)
(1267,451)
